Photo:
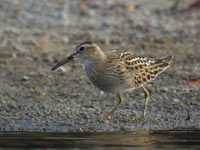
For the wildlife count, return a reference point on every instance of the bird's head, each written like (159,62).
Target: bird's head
(85,51)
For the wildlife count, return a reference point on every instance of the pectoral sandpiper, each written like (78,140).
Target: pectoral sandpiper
(116,72)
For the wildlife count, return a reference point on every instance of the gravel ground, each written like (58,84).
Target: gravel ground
(35,35)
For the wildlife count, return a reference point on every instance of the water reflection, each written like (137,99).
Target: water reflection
(141,140)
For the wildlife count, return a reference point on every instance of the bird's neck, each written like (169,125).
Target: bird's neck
(97,58)
(94,63)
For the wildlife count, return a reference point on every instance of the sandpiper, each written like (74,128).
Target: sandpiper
(116,72)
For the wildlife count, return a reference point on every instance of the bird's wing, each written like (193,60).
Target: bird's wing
(135,69)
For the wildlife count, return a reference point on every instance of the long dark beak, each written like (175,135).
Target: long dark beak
(66,60)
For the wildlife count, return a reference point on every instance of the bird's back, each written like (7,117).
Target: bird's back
(134,71)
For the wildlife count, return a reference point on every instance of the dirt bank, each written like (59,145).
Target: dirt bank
(35,34)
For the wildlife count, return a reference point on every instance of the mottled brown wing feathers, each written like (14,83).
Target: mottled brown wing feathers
(139,69)
(163,63)
(144,69)
(127,56)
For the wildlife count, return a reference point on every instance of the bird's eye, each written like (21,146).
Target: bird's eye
(81,48)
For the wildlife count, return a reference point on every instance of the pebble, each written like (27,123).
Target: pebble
(62,69)
(176,100)
(164,89)
(29,58)
(25,78)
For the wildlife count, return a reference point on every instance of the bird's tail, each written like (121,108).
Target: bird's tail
(157,66)
(168,59)
(162,64)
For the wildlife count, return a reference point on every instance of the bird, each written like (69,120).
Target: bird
(117,72)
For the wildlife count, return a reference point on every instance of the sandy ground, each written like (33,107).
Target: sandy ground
(35,35)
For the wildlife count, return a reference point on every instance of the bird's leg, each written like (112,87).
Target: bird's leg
(116,107)
(146,101)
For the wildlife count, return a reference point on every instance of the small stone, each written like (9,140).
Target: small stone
(158,116)
(176,100)
(18,47)
(14,55)
(12,30)
(66,39)
(29,58)
(25,78)
(101,93)
(163,89)
(63,69)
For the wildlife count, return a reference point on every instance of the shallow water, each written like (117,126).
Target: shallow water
(139,140)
